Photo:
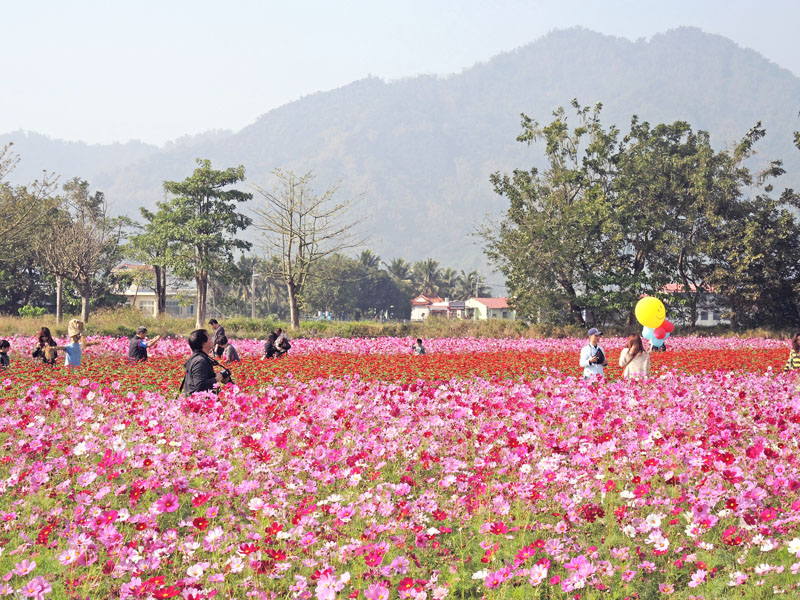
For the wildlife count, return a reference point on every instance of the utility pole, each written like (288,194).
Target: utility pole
(253,291)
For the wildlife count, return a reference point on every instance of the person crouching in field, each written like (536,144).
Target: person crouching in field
(45,349)
(74,349)
(229,353)
(794,354)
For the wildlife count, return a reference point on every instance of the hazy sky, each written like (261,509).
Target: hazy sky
(112,70)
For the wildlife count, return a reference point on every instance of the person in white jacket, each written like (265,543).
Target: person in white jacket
(634,358)
(593,358)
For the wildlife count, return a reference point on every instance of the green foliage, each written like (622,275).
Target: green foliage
(198,226)
(611,220)
(29,311)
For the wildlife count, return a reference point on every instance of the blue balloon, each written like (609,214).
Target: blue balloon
(657,343)
(648,333)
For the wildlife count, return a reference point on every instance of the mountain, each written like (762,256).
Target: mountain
(417,152)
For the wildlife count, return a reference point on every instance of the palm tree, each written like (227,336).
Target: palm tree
(470,285)
(369,259)
(448,281)
(426,276)
(399,269)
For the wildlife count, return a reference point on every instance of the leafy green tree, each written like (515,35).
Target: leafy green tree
(203,220)
(334,286)
(548,244)
(155,247)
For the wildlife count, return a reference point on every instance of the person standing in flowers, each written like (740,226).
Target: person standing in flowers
(137,349)
(200,376)
(634,358)
(418,348)
(219,333)
(74,349)
(593,359)
(4,348)
(794,354)
(45,349)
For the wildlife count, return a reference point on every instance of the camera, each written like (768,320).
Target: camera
(226,376)
(601,358)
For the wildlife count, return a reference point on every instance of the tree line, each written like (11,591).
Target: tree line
(618,215)
(61,242)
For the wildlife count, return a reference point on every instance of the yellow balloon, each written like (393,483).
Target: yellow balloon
(650,312)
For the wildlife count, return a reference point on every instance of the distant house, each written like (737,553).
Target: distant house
(489,308)
(181,296)
(423,307)
(710,309)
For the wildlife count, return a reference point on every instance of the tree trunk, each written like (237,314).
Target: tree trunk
(85,297)
(59,298)
(161,292)
(202,293)
(294,313)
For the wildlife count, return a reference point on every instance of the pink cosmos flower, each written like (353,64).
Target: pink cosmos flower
(537,574)
(698,577)
(36,588)
(377,591)
(24,567)
(167,503)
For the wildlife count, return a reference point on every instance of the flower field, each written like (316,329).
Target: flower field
(351,469)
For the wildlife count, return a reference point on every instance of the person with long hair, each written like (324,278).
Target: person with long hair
(45,349)
(794,354)
(634,358)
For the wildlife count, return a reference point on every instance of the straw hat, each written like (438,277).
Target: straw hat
(75,327)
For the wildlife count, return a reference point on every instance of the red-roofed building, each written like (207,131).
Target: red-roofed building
(489,308)
(421,306)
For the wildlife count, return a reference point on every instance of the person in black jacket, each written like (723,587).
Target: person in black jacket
(200,376)
(137,348)
(219,333)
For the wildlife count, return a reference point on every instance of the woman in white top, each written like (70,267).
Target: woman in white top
(634,358)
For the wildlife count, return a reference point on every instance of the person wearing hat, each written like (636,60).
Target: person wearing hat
(137,350)
(74,349)
(593,358)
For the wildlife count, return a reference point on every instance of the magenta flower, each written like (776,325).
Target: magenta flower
(167,503)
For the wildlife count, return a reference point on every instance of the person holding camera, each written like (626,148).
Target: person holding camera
(200,376)
(593,358)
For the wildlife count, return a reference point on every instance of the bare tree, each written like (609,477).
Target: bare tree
(301,228)
(87,238)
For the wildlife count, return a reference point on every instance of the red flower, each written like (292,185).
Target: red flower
(405,584)
(201,523)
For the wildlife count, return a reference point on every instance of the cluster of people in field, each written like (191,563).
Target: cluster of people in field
(207,348)
(634,358)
